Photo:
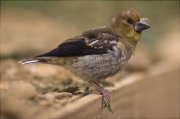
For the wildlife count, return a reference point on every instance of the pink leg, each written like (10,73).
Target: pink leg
(104,92)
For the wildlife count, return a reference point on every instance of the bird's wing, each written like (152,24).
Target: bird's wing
(87,44)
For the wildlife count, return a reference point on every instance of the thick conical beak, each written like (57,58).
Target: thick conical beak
(141,25)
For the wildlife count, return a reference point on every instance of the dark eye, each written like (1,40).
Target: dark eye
(129,20)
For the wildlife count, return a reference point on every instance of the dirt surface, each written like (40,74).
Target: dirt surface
(38,88)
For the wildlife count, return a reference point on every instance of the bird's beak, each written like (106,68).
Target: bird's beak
(141,25)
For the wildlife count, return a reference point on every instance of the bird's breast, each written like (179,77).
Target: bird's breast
(96,67)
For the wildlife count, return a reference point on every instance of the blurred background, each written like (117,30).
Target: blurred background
(29,28)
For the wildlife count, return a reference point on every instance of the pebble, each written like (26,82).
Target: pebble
(63,95)
(14,100)
(50,97)
(22,90)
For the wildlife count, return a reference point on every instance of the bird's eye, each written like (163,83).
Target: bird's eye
(129,20)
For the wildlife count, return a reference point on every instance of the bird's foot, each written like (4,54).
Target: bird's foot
(102,91)
(106,95)
(107,104)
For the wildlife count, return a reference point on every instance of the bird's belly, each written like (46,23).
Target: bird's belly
(95,67)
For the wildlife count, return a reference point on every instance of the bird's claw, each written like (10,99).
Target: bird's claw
(107,104)
(106,95)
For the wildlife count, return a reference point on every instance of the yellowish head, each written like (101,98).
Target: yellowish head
(129,24)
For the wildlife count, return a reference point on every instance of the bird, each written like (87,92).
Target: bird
(98,53)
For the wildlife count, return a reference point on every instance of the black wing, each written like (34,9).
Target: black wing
(87,44)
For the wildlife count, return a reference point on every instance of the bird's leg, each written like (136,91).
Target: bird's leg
(104,92)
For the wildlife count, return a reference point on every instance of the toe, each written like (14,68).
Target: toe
(106,95)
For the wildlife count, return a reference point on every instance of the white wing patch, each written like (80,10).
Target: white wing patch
(28,62)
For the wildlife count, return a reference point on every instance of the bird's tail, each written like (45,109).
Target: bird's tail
(33,60)
(47,60)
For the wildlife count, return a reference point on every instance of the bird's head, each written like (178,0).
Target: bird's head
(129,24)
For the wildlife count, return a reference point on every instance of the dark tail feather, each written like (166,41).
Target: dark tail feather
(33,60)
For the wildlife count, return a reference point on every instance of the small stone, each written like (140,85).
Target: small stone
(41,85)
(50,97)
(15,101)
(63,95)
(22,90)
(3,90)
(45,103)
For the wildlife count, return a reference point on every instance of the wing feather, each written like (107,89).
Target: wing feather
(91,42)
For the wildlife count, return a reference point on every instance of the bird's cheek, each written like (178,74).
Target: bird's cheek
(136,36)
(130,31)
